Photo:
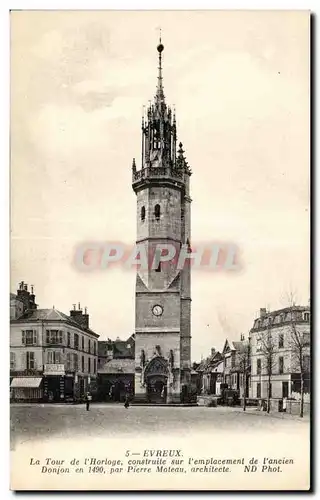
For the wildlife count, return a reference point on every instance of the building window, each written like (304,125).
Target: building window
(82,343)
(54,337)
(94,366)
(143,213)
(157,212)
(233,361)
(29,337)
(75,362)
(76,341)
(306,338)
(306,363)
(306,316)
(68,367)
(270,390)
(89,365)
(281,339)
(258,366)
(30,361)
(12,360)
(281,365)
(89,346)
(54,357)
(258,390)
(94,348)
(82,364)
(69,339)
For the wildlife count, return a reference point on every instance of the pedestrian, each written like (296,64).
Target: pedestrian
(284,405)
(126,401)
(88,400)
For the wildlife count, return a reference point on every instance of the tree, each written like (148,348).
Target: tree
(268,351)
(300,349)
(244,368)
(299,342)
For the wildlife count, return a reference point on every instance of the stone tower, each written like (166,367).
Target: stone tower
(163,301)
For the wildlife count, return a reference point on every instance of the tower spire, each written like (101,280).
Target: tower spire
(160,95)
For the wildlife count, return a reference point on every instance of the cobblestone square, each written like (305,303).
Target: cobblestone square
(43,422)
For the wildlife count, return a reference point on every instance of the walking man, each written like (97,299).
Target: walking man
(88,400)
(127,401)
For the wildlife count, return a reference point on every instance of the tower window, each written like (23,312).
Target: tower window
(158,270)
(157,212)
(143,213)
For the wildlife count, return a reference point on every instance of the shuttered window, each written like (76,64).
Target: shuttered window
(12,360)
(54,337)
(30,361)
(68,367)
(75,362)
(29,337)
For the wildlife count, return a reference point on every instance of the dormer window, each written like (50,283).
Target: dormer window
(306,316)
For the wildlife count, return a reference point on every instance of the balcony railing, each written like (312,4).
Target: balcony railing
(157,172)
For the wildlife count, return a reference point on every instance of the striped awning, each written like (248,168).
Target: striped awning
(28,382)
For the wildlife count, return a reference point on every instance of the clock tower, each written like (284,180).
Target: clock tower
(162,298)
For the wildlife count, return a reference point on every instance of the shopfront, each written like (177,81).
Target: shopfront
(26,389)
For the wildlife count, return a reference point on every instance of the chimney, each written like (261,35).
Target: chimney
(24,295)
(213,351)
(263,312)
(32,300)
(241,337)
(85,318)
(78,316)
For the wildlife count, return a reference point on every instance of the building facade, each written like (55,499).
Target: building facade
(211,371)
(53,356)
(275,337)
(163,297)
(237,366)
(115,369)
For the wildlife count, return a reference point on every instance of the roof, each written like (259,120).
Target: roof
(118,366)
(122,349)
(51,315)
(210,362)
(280,316)
(235,345)
(14,296)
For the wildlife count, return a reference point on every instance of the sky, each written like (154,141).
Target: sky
(240,85)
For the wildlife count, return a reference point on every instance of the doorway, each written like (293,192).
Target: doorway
(285,389)
(157,389)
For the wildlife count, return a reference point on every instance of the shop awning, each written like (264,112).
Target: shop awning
(28,382)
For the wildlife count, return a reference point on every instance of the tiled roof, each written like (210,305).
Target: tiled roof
(122,349)
(51,315)
(280,316)
(240,346)
(117,366)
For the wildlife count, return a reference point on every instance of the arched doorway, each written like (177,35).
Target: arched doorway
(156,378)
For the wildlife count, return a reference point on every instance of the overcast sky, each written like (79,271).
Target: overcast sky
(239,81)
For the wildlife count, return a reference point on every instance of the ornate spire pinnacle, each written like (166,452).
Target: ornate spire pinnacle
(160,95)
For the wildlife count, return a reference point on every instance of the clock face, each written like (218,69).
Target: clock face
(157,310)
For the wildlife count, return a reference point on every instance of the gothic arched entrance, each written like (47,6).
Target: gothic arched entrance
(156,378)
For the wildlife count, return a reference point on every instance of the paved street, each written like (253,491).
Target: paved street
(29,422)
